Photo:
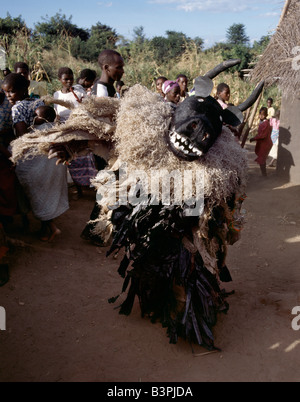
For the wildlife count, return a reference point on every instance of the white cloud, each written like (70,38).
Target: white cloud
(233,6)
(212,40)
(105,4)
(270,14)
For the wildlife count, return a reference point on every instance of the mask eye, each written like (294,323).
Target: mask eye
(193,125)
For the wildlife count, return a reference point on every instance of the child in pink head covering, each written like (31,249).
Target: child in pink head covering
(171,91)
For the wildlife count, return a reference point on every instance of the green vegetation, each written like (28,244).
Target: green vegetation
(56,41)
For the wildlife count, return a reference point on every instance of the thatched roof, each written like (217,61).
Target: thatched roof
(280,63)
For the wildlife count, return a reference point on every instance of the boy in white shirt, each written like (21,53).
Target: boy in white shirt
(112,66)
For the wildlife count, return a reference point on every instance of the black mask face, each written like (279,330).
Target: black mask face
(196,125)
(198,120)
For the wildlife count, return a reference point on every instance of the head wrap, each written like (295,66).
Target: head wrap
(168,85)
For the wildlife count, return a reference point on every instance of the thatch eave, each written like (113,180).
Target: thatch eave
(280,63)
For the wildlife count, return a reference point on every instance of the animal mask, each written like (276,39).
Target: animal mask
(198,120)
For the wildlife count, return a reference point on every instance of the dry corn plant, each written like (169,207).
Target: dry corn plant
(189,63)
(140,67)
(38,73)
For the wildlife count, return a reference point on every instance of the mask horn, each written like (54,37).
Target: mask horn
(233,114)
(204,84)
(252,98)
(222,67)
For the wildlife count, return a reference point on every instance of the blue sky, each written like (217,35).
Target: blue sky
(208,19)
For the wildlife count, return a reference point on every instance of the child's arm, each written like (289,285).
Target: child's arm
(20,128)
(263,131)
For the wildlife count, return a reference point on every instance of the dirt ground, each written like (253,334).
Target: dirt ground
(61,328)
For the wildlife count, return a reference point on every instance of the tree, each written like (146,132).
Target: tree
(122,41)
(170,47)
(237,46)
(104,36)
(59,25)
(219,46)
(101,37)
(238,52)
(139,36)
(236,35)
(9,29)
(9,25)
(160,48)
(178,42)
(199,43)
(260,45)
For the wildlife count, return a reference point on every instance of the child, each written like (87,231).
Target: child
(44,115)
(86,80)
(158,85)
(15,87)
(171,91)
(223,95)
(263,140)
(67,93)
(112,67)
(82,169)
(119,85)
(36,89)
(271,110)
(183,84)
(274,123)
(44,183)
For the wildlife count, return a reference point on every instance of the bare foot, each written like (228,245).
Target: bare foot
(56,232)
(49,231)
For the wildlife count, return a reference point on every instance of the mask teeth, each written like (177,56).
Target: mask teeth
(183,144)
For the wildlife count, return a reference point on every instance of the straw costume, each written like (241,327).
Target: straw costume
(174,254)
